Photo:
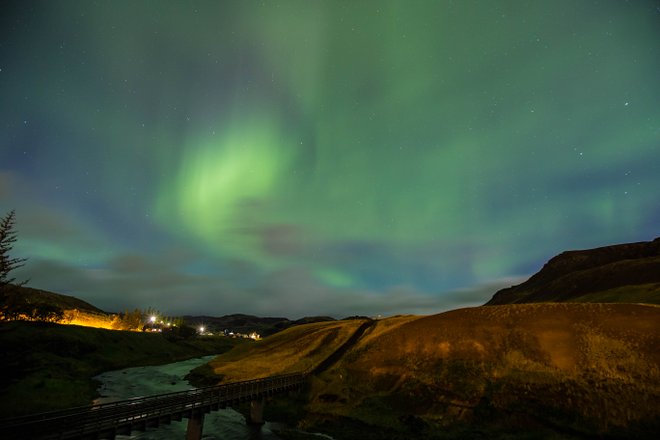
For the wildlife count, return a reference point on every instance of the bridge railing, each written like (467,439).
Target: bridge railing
(79,421)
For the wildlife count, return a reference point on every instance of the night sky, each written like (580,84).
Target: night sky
(322,157)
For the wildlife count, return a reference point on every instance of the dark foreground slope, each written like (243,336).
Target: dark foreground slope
(627,273)
(51,366)
(513,371)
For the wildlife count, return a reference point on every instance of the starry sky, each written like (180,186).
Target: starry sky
(334,158)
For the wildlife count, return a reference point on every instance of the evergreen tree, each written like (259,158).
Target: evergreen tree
(7,239)
(9,303)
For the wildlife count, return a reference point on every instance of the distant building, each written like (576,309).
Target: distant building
(155,327)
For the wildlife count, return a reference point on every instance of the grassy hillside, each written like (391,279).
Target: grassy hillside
(50,366)
(76,311)
(65,302)
(642,293)
(531,371)
(582,369)
(299,348)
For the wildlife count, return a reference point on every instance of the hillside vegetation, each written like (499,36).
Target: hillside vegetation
(542,370)
(75,311)
(50,366)
(296,349)
(626,273)
(567,368)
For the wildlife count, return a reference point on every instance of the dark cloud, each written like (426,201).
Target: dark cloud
(136,281)
(282,240)
(479,294)
(295,292)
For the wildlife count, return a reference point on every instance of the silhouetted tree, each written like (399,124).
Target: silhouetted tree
(10,303)
(185,331)
(15,308)
(47,313)
(13,305)
(7,239)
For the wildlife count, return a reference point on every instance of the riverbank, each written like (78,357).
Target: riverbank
(50,366)
(225,424)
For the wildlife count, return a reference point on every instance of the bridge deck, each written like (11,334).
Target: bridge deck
(109,419)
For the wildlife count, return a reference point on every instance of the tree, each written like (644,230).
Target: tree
(11,304)
(47,313)
(7,263)
(128,320)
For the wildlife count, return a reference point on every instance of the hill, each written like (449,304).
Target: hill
(628,273)
(540,370)
(76,311)
(301,348)
(79,312)
(576,368)
(65,302)
(240,323)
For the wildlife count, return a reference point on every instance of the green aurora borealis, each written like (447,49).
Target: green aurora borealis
(323,157)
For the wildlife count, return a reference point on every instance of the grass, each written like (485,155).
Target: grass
(51,366)
(567,369)
(642,293)
(386,325)
(296,349)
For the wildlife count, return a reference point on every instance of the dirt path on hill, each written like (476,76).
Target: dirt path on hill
(334,357)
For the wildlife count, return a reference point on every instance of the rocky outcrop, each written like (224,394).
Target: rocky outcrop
(572,275)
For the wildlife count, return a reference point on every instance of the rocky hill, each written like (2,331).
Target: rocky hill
(627,273)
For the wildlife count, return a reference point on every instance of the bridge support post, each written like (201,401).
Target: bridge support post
(195,425)
(257,411)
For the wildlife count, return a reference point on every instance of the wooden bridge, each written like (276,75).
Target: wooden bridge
(107,420)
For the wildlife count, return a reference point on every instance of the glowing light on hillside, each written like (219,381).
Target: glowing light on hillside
(152,319)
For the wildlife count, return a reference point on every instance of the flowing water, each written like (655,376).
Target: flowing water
(225,424)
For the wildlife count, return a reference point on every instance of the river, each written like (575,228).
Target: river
(225,424)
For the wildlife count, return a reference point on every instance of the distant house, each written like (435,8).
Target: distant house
(156,327)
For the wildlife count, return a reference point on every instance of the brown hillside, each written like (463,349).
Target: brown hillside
(580,368)
(296,349)
(632,271)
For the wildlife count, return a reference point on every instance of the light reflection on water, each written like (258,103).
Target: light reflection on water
(224,424)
